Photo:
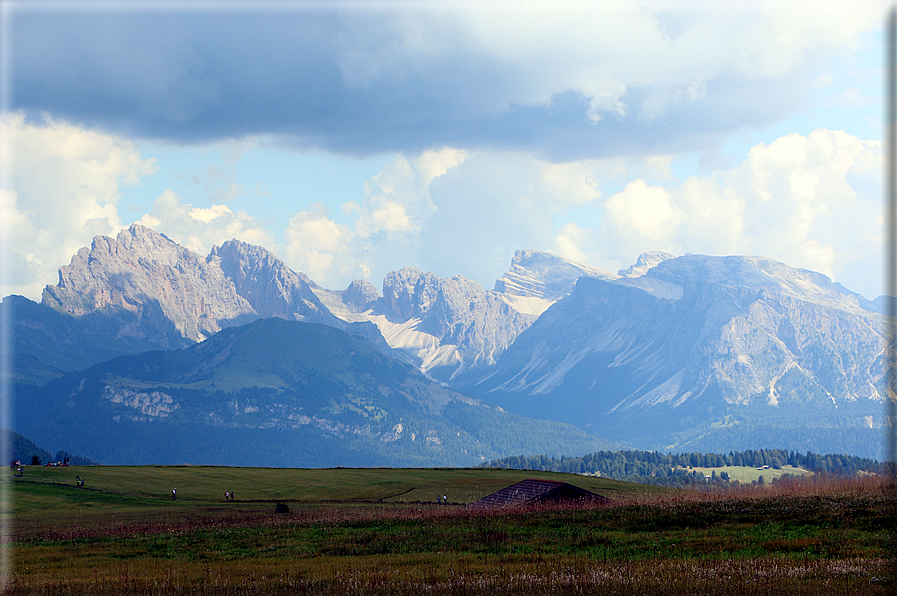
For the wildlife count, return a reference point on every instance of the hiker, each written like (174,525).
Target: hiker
(174,493)
(227,495)
(232,497)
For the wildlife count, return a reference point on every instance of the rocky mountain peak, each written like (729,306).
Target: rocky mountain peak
(272,288)
(645,262)
(446,325)
(537,280)
(410,292)
(544,275)
(360,294)
(145,272)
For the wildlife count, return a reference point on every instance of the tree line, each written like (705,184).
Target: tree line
(652,467)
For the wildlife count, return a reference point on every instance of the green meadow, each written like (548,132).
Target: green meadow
(380,531)
(750,474)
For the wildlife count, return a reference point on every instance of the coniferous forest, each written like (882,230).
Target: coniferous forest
(677,469)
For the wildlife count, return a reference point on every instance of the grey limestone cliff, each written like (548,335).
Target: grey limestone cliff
(164,284)
(744,343)
(645,262)
(468,326)
(544,275)
(268,285)
(151,276)
(536,280)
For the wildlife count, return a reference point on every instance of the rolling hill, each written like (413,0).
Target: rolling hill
(278,393)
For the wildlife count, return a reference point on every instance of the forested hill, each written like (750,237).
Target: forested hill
(652,467)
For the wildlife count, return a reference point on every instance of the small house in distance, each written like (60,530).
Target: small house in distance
(527,492)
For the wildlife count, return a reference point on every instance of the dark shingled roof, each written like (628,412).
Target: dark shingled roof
(537,491)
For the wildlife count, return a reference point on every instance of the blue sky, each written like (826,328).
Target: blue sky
(353,139)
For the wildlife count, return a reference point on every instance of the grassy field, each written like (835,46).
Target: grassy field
(379,531)
(400,485)
(47,500)
(750,474)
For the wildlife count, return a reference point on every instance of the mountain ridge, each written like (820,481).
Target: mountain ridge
(718,354)
(281,389)
(684,347)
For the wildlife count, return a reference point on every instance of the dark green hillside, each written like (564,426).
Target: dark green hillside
(269,353)
(22,449)
(279,393)
(48,343)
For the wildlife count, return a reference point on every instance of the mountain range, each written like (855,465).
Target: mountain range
(692,352)
(278,393)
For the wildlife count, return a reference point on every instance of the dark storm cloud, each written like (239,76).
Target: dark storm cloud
(356,82)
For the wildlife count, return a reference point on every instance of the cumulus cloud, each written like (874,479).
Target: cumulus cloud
(642,214)
(816,197)
(386,227)
(570,81)
(571,242)
(451,212)
(808,200)
(200,228)
(63,189)
(321,248)
(812,201)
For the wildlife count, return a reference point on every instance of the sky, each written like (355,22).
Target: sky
(356,138)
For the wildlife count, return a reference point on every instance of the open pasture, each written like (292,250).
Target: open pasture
(750,474)
(377,531)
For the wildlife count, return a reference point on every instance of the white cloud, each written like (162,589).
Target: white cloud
(63,190)
(386,225)
(447,211)
(398,198)
(808,200)
(212,213)
(713,217)
(570,241)
(571,184)
(497,202)
(811,201)
(643,214)
(199,228)
(321,248)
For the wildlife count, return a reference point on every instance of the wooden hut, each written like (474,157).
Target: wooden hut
(530,491)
